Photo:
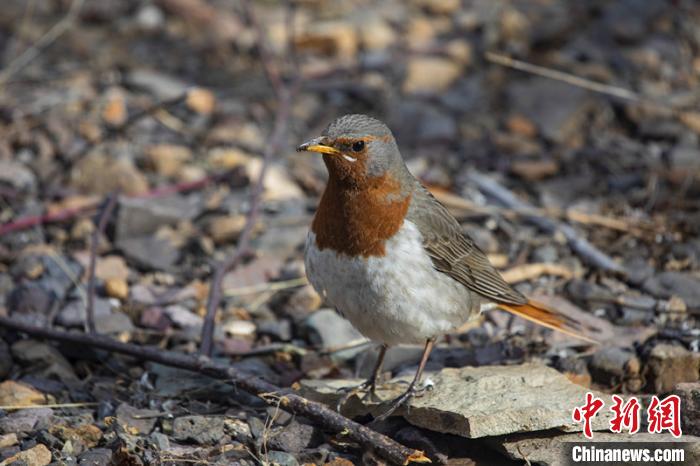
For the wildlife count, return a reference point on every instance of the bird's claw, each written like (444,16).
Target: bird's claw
(368,386)
(413,390)
(418,389)
(399,401)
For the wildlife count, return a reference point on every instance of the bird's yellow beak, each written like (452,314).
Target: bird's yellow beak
(319,145)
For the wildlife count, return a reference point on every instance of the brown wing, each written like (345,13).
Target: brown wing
(455,254)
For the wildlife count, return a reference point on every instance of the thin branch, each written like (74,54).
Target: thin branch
(32,221)
(568,78)
(291,34)
(56,31)
(605,89)
(67,214)
(271,394)
(272,348)
(25,223)
(525,272)
(266,287)
(285,94)
(276,141)
(581,246)
(635,227)
(110,204)
(188,186)
(112,132)
(272,72)
(219,24)
(75,280)
(50,405)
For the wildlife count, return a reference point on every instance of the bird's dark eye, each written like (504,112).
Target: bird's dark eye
(357,146)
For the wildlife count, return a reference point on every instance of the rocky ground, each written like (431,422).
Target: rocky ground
(154,117)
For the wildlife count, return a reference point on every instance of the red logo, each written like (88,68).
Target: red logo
(662,415)
(626,415)
(665,415)
(586,412)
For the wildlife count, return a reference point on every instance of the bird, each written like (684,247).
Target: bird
(391,258)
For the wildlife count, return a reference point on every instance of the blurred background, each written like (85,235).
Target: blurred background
(564,135)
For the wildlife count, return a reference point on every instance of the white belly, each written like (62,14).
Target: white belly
(397,298)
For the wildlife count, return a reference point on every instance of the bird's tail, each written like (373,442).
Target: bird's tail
(548,317)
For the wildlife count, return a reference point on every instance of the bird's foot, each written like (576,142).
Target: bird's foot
(413,390)
(368,387)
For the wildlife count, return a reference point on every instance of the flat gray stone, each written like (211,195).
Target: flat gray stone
(143,216)
(96,457)
(282,458)
(612,366)
(172,382)
(668,284)
(183,317)
(199,429)
(150,252)
(669,365)
(40,354)
(17,175)
(74,312)
(161,85)
(143,420)
(689,394)
(294,437)
(116,322)
(479,401)
(558,109)
(26,420)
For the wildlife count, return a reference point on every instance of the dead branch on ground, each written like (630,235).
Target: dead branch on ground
(284,92)
(110,204)
(578,244)
(271,394)
(56,31)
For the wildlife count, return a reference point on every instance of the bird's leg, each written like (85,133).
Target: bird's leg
(412,389)
(371,383)
(368,385)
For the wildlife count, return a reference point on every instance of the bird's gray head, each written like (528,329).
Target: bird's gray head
(358,148)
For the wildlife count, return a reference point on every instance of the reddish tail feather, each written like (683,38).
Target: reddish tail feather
(548,317)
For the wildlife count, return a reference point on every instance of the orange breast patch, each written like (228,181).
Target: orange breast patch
(357,220)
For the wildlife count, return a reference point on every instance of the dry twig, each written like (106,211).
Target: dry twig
(150,110)
(110,204)
(633,226)
(70,213)
(581,246)
(277,139)
(323,416)
(56,31)
(266,287)
(568,78)
(285,94)
(524,272)
(25,223)
(50,405)
(689,118)
(222,26)
(67,214)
